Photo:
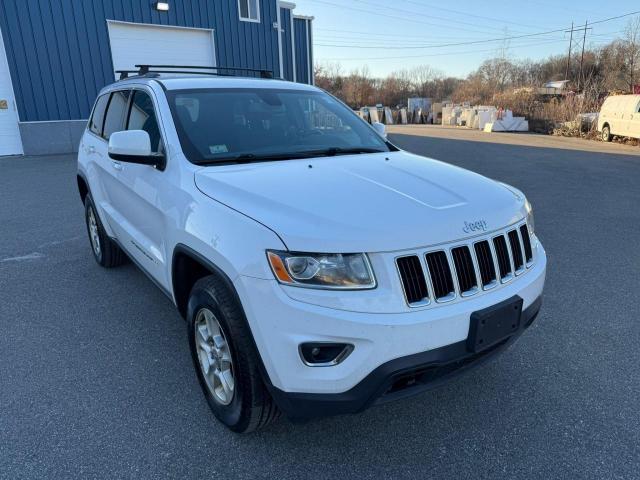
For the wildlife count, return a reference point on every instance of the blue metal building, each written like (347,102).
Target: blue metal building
(55,55)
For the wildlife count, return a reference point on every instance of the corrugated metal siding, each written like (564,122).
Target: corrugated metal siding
(287,47)
(312,80)
(302,60)
(59,52)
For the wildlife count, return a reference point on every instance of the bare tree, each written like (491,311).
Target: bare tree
(423,78)
(632,51)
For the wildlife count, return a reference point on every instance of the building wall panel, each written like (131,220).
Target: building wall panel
(301,57)
(287,48)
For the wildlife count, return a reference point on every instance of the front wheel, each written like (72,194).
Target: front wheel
(226,359)
(606,134)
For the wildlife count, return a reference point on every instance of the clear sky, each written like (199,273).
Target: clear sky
(388,35)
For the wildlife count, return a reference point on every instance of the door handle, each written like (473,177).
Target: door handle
(116,165)
(90,150)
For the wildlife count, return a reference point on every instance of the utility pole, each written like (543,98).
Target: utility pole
(566,74)
(573,29)
(584,40)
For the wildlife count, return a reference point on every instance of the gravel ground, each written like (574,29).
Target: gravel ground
(96,379)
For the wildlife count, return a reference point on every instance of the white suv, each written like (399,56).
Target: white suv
(320,269)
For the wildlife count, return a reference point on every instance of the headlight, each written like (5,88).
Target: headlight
(322,270)
(530,221)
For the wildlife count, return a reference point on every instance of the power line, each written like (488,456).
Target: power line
(474,42)
(444,54)
(420,14)
(329,37)
(440,45)
(359,32)
(395,57)
(473,15)
(377,46)
(614,18)
(403,35)
(405,19)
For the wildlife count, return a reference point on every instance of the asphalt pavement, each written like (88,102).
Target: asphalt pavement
(96,379)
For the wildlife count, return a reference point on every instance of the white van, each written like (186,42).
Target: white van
(620,115)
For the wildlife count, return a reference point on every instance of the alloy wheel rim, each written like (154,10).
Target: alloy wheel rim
(214,357)
(93,233)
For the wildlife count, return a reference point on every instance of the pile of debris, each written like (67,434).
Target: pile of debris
(483,117)
(418,111)
(424,111)
(584,126)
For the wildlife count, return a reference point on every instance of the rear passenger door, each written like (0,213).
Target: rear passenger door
(107,117)
(142,188)
(109,169)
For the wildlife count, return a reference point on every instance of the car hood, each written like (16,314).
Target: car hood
(363,203)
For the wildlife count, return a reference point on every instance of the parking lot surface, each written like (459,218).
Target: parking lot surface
(96,379)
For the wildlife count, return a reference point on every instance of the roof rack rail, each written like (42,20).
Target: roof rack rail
(192,69)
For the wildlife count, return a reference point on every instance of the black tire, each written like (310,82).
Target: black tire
(606,134)
(108,254)
(251,406)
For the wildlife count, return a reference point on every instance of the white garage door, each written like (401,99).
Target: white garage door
(135,43)
(10,143)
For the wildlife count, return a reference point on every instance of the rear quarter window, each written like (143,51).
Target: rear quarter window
(97,118)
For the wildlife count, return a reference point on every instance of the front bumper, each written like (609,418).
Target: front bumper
(397,378)
(280,323)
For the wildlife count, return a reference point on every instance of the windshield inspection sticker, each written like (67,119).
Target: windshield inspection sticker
(218,149)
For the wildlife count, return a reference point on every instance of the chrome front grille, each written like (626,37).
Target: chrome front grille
(465,269)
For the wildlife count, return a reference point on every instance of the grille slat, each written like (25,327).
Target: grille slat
(464,269)
(516,250)
(485,263)
(526,240)
(502,254)
(413,279)
(440,274)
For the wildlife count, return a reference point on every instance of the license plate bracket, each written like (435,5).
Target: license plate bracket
(491,325)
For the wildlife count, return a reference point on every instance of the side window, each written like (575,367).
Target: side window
(249,10)
(143,117)
(97,119)
(114,120)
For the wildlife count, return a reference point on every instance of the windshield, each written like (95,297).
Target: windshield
(226,125)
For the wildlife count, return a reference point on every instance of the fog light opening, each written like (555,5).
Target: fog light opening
(321,354)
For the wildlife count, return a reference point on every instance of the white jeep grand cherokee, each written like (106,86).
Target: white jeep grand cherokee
(321,269)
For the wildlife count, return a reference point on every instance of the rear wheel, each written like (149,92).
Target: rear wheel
(106,252)
(606,134)
(225,358)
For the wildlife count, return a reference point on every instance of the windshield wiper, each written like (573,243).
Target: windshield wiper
(330,152)
(249,158)
(253,157)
